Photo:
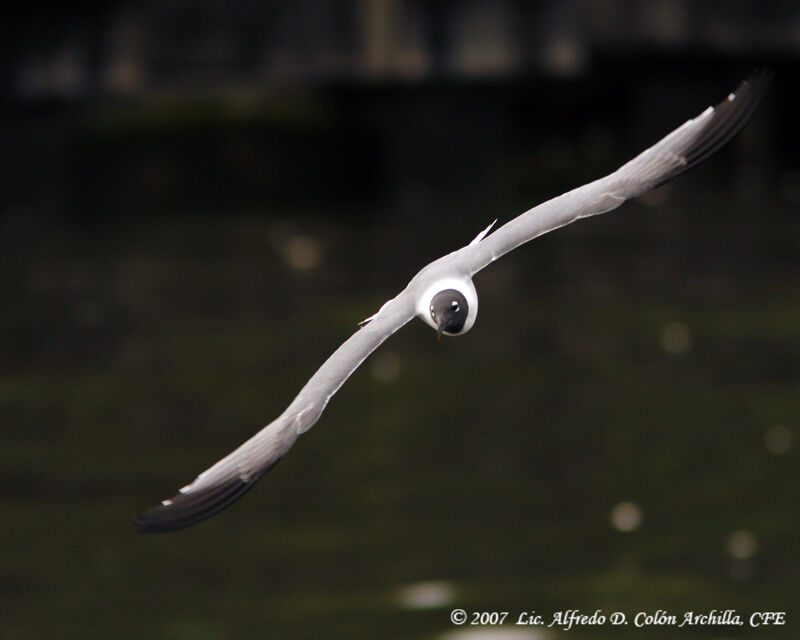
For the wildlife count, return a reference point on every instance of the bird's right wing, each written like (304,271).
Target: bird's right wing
(684,148)
(224,482)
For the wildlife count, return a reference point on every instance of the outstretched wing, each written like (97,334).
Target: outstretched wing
(222,484)
(681,150)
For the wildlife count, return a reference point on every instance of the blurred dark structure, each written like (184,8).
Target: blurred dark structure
(122,107)
(92,49)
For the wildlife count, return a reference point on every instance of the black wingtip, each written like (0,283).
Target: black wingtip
(729,118)
(186,509)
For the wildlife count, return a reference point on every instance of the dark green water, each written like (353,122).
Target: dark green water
(651,362)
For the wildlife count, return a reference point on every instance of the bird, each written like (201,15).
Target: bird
(443,295)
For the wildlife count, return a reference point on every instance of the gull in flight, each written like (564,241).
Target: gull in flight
(443,296)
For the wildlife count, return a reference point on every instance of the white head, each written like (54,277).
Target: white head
(450,306)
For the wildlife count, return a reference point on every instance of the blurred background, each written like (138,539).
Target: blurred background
(200,200)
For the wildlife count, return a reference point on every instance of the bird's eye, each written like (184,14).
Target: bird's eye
(454,305)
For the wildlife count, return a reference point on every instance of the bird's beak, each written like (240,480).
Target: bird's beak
(439,329)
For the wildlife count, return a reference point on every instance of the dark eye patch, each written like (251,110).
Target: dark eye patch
(449,308)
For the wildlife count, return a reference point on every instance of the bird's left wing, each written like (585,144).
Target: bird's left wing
(684,148)
(224,482)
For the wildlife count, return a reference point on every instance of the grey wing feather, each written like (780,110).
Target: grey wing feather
(684,148)
(224,482)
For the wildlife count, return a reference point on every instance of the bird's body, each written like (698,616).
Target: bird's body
(443,296)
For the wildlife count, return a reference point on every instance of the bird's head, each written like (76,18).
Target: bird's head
(450,307)
(449,311)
